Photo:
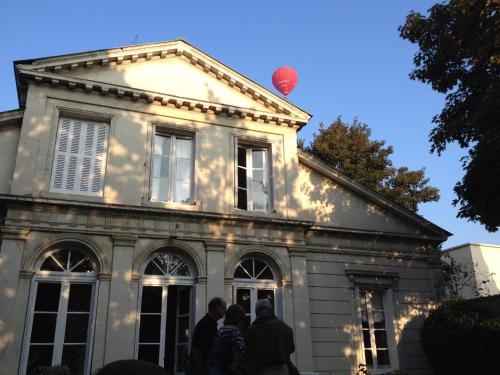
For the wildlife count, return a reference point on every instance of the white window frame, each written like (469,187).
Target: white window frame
(65,279)
(249,147)
(80,155)
(165,282)
(254,285)
(388,304)
(158,131)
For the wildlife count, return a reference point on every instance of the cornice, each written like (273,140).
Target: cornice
(163,99)
(179,48)
(124,240)
(7,233)
(11,119)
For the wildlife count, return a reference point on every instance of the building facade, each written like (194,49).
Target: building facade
(482,263)
(136,183)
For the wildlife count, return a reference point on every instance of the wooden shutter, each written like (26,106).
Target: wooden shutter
(80,157)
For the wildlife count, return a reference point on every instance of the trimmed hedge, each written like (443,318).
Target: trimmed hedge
(462,337)
(131,367)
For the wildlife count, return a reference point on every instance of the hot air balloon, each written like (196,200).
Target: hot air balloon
(285,79)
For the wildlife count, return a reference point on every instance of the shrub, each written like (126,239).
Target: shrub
(460,336)
(131,367)
(51,370)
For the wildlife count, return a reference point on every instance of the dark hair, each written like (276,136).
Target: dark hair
(215,302)
(234,315)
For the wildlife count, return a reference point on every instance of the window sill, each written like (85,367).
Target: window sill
(269,214)
(71,197)
(195,206)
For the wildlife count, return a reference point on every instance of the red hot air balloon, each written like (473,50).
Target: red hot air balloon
(285,79)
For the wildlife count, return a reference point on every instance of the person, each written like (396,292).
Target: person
(203,337)
(227,356)
(269,343)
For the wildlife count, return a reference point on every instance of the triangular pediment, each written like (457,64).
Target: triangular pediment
(331,199)
(172,68)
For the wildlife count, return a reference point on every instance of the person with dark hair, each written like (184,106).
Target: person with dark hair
(203,337)
(227,356)
(269,343)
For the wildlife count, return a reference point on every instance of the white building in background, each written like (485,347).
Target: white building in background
(483,262)
(136,183)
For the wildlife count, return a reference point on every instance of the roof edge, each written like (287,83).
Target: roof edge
(11,118)
(328,171)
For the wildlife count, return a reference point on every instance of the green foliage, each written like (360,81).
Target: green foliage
(51,370)
(462,337)
(459,55)
(131,367)
(348,148)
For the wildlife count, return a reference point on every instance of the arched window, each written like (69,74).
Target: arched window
(165,311)
(254,279)
(62,312)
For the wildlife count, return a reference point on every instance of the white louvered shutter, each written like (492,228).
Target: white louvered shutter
(80,157)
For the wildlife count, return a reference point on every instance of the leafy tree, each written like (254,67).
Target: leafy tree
(348,148)
(459,55)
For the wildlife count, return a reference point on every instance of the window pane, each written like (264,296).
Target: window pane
(151,299)
(155,171)
(183,148)
(381,339)
(79,297)
(243,299)
(183,329)
(240,273)
(47,297)
(242,157)
(62,257)
(266,294)
(366,339)
(150,328)
(362,299)
(39,356)
(76,328)
(267,274)
(242,178)
(152,269)
(182,270)
(184,301)
(86,266)
(44,327)
(377,301)
(259,266)
(166,145)
(259,200)
(74,357)
(50,265)
(258,158)
(150,353)
(182,192)
(378,320)
(258,182)
(163,188)
(183,170)
(369,358)
(383,358)
(181,358)
(164,171)
(242,199)
(75,258)
(364,318)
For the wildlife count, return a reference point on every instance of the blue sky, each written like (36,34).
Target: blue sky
(350,59)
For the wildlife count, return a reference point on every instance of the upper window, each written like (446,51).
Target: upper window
(253,176)
(167,264)
(172,171)
(80,157)
(373,324)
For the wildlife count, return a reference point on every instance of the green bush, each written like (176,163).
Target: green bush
(131,367)
(51,370)
(460,337)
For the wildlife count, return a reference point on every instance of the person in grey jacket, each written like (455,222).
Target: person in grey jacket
(269,343)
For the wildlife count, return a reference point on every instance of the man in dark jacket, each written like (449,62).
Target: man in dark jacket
(203,337)
(269,343)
